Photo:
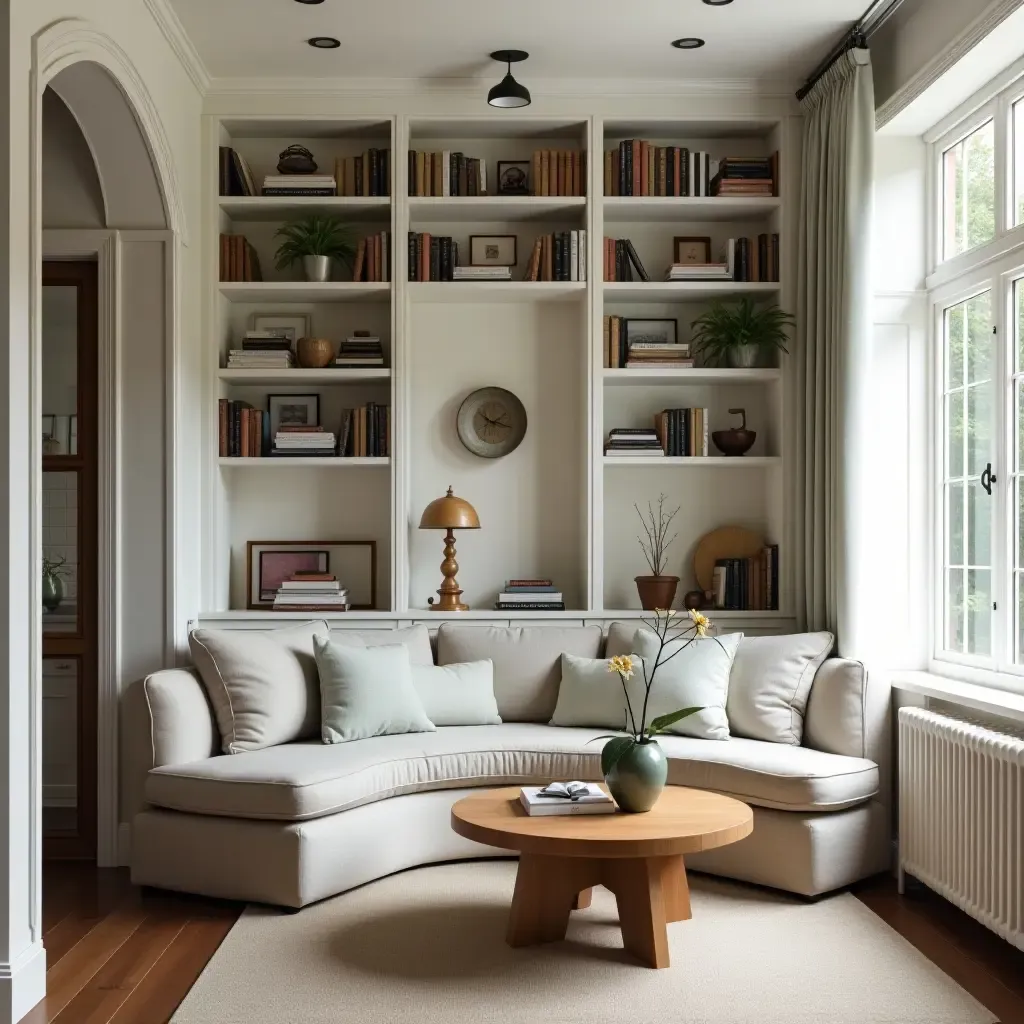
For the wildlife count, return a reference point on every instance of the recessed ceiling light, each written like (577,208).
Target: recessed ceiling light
(321,1)
(710,3)
(324,42)
(688,43)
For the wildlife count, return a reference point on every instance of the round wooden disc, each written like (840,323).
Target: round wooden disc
(725,542)
(682,821)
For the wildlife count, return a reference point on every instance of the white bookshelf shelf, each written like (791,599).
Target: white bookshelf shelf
(685,291)
(303,462)
(697,375)
(301,376)
(496,291)
(276,208)
(704,462)
(304,291)
(688,209)
(496,208)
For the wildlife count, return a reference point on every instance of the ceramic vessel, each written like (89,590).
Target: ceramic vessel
(656,591)
(314,353)
(53,592)
(744,357)
(317,268)
(638,777)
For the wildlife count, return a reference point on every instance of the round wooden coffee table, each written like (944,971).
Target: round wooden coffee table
(639,857)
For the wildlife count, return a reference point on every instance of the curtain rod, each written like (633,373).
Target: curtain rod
(856,39)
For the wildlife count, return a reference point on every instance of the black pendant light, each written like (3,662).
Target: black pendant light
(508,92)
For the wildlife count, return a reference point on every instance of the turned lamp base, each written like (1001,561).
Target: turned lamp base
(449,591)
(449,513)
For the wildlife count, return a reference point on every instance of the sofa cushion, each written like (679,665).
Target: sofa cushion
(590,694)
(416,638)
(457,694)
(307,780)
(527,661)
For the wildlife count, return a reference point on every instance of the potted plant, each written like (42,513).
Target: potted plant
(315,241)
(54,571)
(740,334)
(657,590)
(634,766)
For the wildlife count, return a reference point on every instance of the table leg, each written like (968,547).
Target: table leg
(547,890)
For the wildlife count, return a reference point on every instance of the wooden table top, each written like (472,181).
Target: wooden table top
(682,821)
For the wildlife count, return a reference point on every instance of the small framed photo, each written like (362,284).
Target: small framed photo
(293,411)
(691,249)
(659,332)
(513,177)
(270,562)
(288,325)
(493,250)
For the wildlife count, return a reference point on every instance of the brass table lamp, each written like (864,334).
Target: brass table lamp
(449,513)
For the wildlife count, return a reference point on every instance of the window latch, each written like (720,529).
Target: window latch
(988,478)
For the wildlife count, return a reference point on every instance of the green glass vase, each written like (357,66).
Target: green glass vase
(638,777)
(53,592)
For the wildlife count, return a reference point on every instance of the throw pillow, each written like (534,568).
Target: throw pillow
(416,638)
(457,694)
(696,675)
(590,695)
(770,683)
(262,684)
(366,691)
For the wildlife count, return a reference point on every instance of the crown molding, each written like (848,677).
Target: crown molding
(989,20)
(174,32)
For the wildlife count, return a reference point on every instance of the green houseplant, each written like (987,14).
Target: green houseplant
(740,334)
(634,766)
(315,241)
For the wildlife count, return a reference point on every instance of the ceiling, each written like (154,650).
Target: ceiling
(777,40)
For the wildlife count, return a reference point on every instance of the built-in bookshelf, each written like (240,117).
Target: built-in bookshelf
(557,507)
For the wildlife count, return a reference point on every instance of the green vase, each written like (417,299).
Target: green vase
(638,777)
(53,592)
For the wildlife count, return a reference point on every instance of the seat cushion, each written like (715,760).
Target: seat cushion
(307,780)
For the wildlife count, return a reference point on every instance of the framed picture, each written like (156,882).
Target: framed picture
(493,250)
(691,249)
(661,332)
(513,177)
(293,411)
(289,325)
(270,562)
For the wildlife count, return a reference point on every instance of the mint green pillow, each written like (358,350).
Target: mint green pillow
(591,695)
(366,691)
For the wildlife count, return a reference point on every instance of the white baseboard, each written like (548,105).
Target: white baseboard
(124,844)
(22,984)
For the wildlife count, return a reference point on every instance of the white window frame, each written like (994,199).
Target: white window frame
(994,267)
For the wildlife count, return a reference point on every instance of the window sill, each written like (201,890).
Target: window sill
(969,695)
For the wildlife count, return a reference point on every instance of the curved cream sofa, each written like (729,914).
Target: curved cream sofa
(295,823)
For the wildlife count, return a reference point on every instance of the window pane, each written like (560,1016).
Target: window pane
(955,610)
(979,428)
(968,189)
(1018,162)
(956,344)
(955,434)
(979,611)
(1018,298)
(955,520)
(979,525)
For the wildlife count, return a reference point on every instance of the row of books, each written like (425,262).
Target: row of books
(446,174)
(291,441)
(243,432)
(537,595)
(621,259)
(373,258)
(311,591)
(432,257)
(238,259)
(365,432)
(629,442)
(561,256)
(748,584)
(683,433)
(620,352)
(234,177)
(745,259)
(641,168)
(262,350)
(366,175)
(754,259)
(556,172)
(746,176)
(360,352)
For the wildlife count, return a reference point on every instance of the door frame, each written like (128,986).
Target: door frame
(104,247)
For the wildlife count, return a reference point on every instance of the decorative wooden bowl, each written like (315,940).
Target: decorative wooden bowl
(734,441)
(314,353)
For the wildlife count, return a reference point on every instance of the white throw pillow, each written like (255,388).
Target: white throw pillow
(770,683)
(263,685)
(457,694)
(591,695)
(695,676)
(416,638)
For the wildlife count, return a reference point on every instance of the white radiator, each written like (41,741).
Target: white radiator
(961,831)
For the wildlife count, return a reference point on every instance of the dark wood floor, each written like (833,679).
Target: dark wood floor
(119,955)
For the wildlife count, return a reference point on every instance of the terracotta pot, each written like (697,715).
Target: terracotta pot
(656,591)
(315,353)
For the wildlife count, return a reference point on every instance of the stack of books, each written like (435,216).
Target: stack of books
(641,168)
(561,256)
(753,259)
(360,351)
(234,176)
(566,798)
(300,185)
(698,272)
(656,355)
(446,174)
(748,584)
(262,350)
(238,259)
(311,592)
(630,442)
(302,441)
(373,258)
(432,257)
(365,432)
(682,433)
(559,172)
(481,273)
(243,432)
(620,260)
(366,175)
(530,595)
(746,176)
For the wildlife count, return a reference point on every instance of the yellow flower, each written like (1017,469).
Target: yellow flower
(701,623)
(623,664)
(666,613)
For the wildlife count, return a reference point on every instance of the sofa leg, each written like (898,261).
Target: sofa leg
(290,910)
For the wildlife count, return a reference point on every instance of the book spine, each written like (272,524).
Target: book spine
(222,427)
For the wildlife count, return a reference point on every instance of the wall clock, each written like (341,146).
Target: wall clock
(491,422)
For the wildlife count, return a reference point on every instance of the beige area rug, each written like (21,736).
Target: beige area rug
(427,947)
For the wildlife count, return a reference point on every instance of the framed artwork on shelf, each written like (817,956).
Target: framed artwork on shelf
(661,332)
(493,250)
(289,325)
(270,562)
(293,411)
(691,249)
(513,177)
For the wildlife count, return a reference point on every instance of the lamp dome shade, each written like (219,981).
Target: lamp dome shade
(509,93)
(449,513)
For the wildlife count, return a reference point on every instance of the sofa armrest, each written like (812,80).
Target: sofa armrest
(165,719)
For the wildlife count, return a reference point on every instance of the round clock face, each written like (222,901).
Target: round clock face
(491,422)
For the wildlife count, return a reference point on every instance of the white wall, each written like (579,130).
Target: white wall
(71,189)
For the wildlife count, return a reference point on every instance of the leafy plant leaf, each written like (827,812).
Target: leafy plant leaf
(663,722)
(315,235)
(613,751)
(726,324)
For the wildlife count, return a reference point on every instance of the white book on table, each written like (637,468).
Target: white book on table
(594,801)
